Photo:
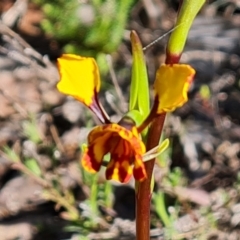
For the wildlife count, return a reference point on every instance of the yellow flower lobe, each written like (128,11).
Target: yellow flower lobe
(79,77)
(171,86)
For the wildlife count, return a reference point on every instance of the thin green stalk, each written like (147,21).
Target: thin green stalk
(93,196)
(161,208)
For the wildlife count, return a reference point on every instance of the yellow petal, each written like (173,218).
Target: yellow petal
(79,77)
(171,86)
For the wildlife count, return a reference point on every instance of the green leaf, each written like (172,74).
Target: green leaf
(155,152)
(205,92)
(32,165)
(139,91)
(11,154)
(136,116)
(30,129)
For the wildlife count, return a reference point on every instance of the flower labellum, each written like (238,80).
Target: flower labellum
(125,148)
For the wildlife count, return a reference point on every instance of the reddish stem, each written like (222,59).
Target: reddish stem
(143,191)
(150,117)
(172,58)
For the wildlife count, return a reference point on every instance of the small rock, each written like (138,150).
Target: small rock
(10,201)
(72,111)
(22,231)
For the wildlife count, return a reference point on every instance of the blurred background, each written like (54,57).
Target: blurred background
(44,192)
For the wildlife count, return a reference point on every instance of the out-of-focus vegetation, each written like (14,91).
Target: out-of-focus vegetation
(86,28)
(83,218)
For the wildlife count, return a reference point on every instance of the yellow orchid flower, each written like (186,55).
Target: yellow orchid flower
(80,79)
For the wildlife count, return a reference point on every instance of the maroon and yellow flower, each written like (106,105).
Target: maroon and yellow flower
(125,148)
(122,141)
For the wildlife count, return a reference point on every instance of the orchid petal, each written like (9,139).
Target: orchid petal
(171,86)
(79,77)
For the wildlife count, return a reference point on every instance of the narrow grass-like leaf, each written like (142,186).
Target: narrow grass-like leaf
(32,165)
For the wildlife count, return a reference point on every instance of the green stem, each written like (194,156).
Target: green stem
(188,10)
(161,208)
(93,196)
(144,190)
